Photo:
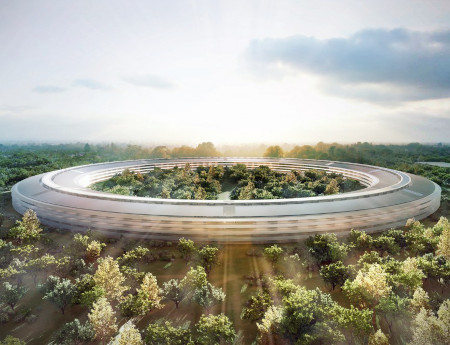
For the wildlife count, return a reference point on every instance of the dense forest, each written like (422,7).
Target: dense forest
(207,183)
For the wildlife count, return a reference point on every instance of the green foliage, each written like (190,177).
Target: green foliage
(172,291)
(167,334)
(186,248)
(306,317)
(273,254)
(274,152)
(214,330)
(207,182)
(10,340)
(11,294)
(256,306)
(74,332)
(208,295)
(131,256)
(335,274)
(208,257)
(59,291)
(27,229)
(325,248)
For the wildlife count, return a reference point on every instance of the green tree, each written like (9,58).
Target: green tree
(393,307)
(208,295)
(273,254)
(12,294)
(167,334)
(27,229)
(274,151)
(109,278)
(215,330)
(208,257)
(431,329)
(74,333)
(59,291)
(103,319)
(10,340)
(325,248)
(443,247)
(172,291)
(128,335)
(335,274)
(147,297)
(40,264)
(256,306)
(186,248)
(378,338)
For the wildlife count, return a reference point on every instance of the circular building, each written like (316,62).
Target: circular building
(62,199)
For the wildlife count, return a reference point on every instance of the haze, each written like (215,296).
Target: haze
(183,72)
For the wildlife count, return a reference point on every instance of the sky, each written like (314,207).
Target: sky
(231,72)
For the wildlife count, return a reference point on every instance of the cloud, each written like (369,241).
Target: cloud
(48,89)
(150,80)
(415,64)
(90,84)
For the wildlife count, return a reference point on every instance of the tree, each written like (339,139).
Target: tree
(355,321)
(40,264)
(103,319)
(172,291)
(195,278)
(411,275)
(378,338)
(109,278)
(326,248)
(128,335)
(213,330)
(93,249)
(443,247)
(167,334)
(208,257)
(392,307)
(420,300)
(306,317)
(10,340)
(256,306)
(74,333)
(146,298)
(273,254)
(431,329)
(368,288)
(335,274)
(186,248)
(274,151)
(208,295)
(11,294)
(59,291)
(27,229)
